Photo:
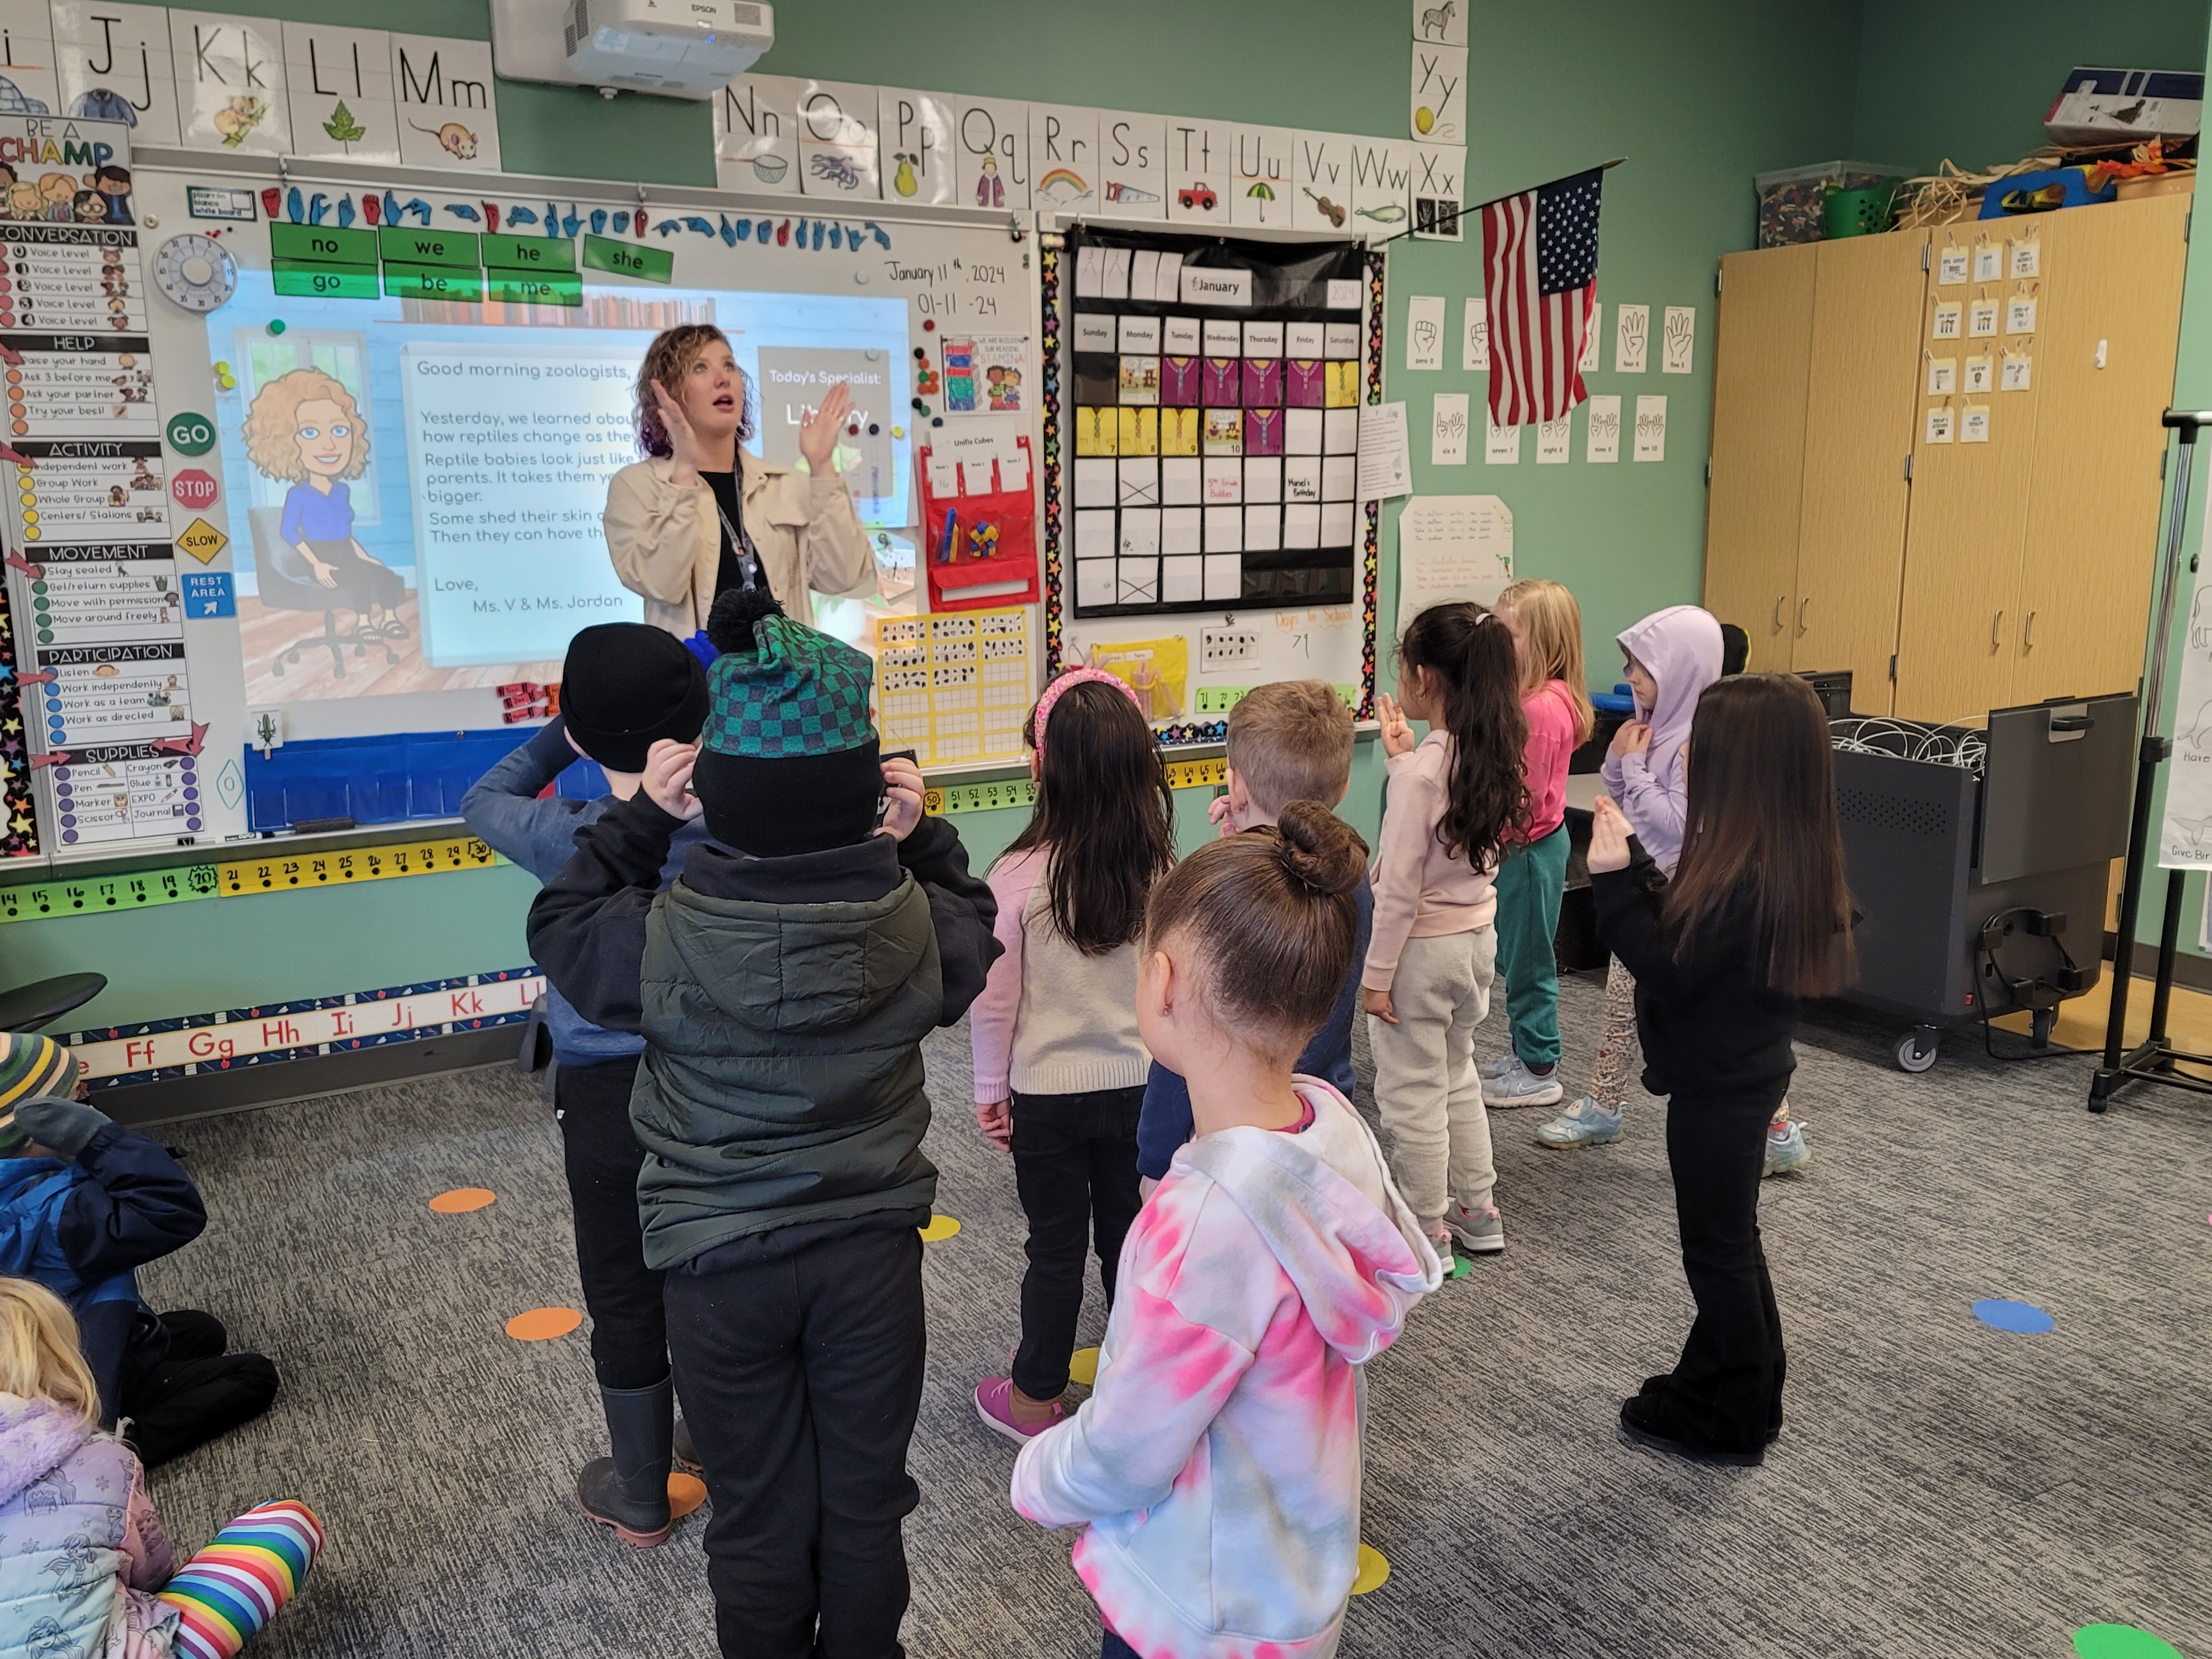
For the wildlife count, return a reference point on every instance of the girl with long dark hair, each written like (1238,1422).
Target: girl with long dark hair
(1060,1068)
(1455,798)
(1755,918)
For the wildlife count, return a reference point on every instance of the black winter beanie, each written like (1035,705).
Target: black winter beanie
(625,686)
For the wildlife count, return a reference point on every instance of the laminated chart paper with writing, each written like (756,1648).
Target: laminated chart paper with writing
(1216,384)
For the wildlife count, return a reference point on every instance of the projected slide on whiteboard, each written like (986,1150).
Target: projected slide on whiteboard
(425,482)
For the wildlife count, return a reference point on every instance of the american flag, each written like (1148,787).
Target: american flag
(1539,270)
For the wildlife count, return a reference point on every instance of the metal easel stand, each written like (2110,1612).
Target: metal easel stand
(2154,1060)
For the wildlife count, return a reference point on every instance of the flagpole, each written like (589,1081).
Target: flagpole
(1602,167)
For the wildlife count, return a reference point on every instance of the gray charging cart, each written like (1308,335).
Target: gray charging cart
(1980,861)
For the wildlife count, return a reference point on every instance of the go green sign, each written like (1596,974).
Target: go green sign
(190,435)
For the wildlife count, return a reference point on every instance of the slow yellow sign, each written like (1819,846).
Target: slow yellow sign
(202,541)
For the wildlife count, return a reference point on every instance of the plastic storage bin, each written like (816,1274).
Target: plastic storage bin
(1793,205)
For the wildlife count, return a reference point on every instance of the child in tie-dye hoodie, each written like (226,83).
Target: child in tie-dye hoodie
(1215,1466)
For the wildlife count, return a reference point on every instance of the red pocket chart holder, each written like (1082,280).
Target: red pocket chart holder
(979,547)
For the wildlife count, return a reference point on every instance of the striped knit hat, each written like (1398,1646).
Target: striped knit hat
(32,1068)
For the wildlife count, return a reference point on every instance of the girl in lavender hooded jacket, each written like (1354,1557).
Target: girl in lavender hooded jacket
(1671,658)
(1215,1467)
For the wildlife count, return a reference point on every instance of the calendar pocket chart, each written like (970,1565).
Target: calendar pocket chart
(1206,412)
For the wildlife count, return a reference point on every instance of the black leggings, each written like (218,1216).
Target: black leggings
(194,1391)
(601,1157)
(1075,1168)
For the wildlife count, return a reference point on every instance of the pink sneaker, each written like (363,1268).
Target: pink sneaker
(995,1404)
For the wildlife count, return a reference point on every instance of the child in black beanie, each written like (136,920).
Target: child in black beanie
(783,986)
(624,687)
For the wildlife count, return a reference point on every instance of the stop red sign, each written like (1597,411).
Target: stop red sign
(194,488)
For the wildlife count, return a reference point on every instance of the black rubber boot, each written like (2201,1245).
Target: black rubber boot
(684,1454)
(629,1492)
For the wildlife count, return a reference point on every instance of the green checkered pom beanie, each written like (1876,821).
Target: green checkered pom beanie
(788,762)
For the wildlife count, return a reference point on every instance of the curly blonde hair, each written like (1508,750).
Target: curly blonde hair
(670,355)
(38,1354)
(272,424)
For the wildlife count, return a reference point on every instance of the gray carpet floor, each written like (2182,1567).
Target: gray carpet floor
(1942,1488)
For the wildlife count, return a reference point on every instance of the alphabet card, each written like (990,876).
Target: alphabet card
(1443,24)
(1381,185)
(1199,178)
(993,136)
(230,83)
(1321,167)
(1064,158)
(1260,177)
(447,115)
(1133,168)
(26,51)
(1439,101)
(339,84)
(839,152)
(114,64)
(916,132)
(1439,173)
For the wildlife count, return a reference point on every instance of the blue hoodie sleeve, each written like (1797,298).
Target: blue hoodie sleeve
(1165,1121)
(503,809)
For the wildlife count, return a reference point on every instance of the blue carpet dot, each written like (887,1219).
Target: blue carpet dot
(2006,1315)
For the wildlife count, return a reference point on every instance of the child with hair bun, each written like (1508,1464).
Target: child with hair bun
(1215,1467)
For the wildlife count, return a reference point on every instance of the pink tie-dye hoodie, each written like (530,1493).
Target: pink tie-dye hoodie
(1217,1460)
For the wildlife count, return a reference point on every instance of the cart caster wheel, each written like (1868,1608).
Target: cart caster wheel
(1916,1050)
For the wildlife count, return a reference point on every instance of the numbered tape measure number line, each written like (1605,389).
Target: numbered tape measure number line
(85,898)
(1021,792)
(285,875)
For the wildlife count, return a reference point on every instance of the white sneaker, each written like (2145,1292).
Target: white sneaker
(1516,1085)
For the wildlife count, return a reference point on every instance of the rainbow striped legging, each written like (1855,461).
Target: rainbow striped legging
(248,1571)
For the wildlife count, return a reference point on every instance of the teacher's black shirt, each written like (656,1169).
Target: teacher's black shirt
(739,558)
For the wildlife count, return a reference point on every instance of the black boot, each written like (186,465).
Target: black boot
(684,1453)
(629,1492)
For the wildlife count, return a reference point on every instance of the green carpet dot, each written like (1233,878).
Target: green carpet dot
(2121,1642)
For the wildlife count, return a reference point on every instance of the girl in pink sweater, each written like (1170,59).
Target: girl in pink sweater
(1456,798)
(1059,1067)
(1215,1467)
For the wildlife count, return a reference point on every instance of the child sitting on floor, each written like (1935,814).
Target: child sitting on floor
(85,1567)
(84,1203)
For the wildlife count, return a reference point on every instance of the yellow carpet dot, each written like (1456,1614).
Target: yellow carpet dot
(1373,1570)
(1084,1367)
(940,1227)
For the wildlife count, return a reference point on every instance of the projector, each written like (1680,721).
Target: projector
(675,48)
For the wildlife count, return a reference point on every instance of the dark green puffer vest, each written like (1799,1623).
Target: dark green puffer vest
(782,1080)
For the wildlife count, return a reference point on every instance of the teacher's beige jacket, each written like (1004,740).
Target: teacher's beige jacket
(666,542)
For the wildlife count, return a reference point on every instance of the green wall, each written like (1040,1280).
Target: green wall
(1972,83)
(1698,96)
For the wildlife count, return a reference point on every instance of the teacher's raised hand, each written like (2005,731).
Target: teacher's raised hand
(682,437)
(818,438)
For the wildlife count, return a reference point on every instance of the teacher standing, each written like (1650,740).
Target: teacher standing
(701,515)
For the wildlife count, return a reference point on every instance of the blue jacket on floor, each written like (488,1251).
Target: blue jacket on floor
(1165,1121)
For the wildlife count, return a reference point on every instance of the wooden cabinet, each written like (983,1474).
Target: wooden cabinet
(1759,363)
(2009,558)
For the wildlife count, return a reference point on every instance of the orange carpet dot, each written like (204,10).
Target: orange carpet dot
(685,1493)
(543,1324)
(462,1200)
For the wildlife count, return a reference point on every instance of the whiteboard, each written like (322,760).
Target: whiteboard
(490,428)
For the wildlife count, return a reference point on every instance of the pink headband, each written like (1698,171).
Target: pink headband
(1080,677)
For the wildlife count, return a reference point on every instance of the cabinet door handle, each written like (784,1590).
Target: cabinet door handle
(1994,621)
(2027,633)
(1778,603)
(1801,604)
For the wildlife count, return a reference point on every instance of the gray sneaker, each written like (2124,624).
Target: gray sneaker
(1497,1067)
(1479,1232)
(1585,1123)
(1516,1085)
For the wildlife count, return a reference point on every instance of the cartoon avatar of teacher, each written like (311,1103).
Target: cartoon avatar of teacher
(305,429)
(701,514)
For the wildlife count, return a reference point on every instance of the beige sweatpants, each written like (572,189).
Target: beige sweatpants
(1425,1085)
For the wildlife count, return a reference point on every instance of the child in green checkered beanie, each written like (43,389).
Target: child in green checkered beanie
(783,985)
